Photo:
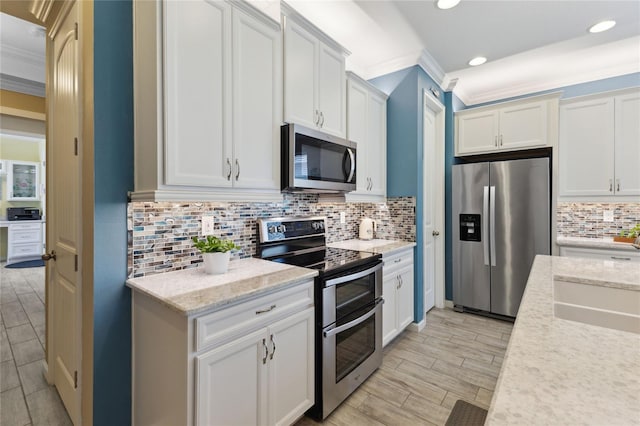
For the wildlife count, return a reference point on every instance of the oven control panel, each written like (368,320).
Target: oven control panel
(276,229)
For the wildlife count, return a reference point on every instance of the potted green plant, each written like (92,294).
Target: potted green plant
(628,236)
(215,253)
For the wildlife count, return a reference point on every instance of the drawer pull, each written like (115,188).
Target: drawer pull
(397,260)
(620,258)
(269,309)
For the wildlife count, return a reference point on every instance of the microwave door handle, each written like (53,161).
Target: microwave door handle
(352,277)
(353,164)
(355,322)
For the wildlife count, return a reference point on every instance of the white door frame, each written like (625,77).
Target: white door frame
(435,106)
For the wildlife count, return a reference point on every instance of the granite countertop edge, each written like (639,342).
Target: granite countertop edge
(377,246)
(208,298)
(596,243)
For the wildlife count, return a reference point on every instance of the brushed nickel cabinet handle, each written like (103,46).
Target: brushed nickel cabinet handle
(264,311)
(273,350)
(230,167)
(620,258)
(495,140)
(617,185)
(322,117)
(237,169)
(266,351)
(500,140)
(610,185)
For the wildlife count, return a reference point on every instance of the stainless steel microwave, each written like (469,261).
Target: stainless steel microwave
(314,161)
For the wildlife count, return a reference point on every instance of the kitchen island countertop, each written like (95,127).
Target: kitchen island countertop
(557,371)
(191,291)
(377,246)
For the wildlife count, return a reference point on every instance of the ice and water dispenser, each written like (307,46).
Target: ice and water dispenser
(470,227)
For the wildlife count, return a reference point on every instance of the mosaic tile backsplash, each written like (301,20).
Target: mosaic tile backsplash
(160,233)
(585,219)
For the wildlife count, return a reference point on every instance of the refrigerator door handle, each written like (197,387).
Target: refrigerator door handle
(492,224)
(485,223)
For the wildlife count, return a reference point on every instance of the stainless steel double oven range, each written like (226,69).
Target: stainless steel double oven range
(348,304)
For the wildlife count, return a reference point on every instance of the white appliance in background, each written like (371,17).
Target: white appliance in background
(367,227)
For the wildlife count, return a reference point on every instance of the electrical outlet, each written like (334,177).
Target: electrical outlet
(607,215)
(207,225)
(343,218)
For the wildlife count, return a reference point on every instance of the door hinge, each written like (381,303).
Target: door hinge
(76,30)
(76,262)
(75,380)
(75,146)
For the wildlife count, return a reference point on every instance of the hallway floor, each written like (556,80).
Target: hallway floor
(25,398)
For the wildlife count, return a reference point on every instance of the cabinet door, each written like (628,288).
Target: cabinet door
(477,132)
(23,181)
(357,123)
(586,148)
(331,91)
(291,368)
(231,373)
(377,145)
(197,93)
(390,284)
(523,126)
(300,68)
(257,106)
(627,144)
(405,298)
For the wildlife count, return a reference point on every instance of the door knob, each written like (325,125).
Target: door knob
(49,256)
(435,233)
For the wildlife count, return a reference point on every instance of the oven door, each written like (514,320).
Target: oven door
(351,352)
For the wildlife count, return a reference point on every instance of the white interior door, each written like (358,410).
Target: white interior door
(64,289)
(433,202)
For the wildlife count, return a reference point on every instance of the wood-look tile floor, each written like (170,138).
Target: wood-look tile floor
(456,356)
(25,396)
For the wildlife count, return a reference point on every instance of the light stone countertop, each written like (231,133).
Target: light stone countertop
(596,243)
(557,371)
(377,246)
(191,291)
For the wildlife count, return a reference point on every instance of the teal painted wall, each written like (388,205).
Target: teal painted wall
(405,152)
(113,172)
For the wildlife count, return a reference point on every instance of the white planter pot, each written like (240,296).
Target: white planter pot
(216,263)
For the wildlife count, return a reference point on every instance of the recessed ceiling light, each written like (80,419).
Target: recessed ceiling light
(477,61)
(447,4)
(602,26)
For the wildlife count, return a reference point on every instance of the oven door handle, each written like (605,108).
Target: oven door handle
(352,277)
(355,322)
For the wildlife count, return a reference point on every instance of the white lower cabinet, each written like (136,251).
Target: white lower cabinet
(593,253)
(24,241)
(247,364)
(269,371)
(397,292)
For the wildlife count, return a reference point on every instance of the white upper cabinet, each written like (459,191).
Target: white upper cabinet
(627,144)
(314,83)
(367,127)
(23,181)
(600,145)
(509,126)
(207,101)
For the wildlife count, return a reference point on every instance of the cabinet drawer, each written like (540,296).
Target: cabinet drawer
(25,227)
(19,250)
(227,324)
(397,260)
(589,253)
(24,236)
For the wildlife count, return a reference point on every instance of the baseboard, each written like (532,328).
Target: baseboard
(448,304)
(418,326)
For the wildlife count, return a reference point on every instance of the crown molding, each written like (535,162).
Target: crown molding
(431,67)
(12,52)
(22,85)
(390,66)
(41,9)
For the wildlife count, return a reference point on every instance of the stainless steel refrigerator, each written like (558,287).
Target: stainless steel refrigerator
(501,221)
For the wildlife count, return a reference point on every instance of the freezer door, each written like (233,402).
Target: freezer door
(520,227)
(470,248)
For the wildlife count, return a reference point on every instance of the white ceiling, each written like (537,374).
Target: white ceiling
(22,55)
(530,45)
